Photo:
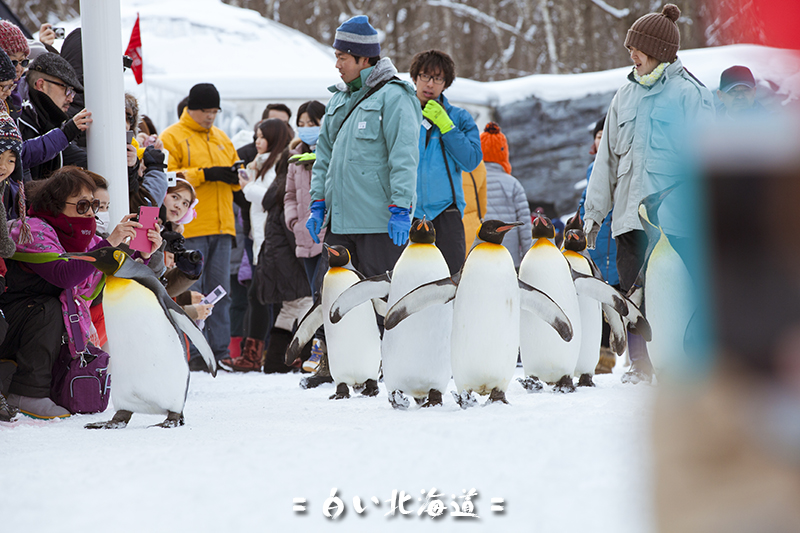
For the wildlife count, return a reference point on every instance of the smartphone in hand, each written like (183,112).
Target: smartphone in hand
(147,218)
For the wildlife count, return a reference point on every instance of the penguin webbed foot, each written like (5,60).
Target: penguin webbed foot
(564,385)
(434,398)
(531,383)
(398,400)
(496,396)
(370,388)
(342,392)
(465,400)
(118,421)
(585,380)
(173,420)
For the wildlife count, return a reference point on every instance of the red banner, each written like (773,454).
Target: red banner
(134,51)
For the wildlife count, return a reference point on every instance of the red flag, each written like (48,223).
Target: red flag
(134,51)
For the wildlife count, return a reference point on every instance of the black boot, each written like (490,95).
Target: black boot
(323,375)
(279,340)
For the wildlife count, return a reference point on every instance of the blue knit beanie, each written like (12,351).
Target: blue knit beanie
(357,38)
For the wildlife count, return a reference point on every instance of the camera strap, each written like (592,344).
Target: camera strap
(372,91)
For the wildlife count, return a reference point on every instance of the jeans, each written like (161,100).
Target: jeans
(216,250)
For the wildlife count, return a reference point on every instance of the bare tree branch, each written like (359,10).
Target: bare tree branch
(613,11)
(479,16)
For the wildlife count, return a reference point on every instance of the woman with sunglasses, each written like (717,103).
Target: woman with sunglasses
(61,219)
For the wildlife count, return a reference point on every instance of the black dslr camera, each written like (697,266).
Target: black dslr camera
(175,244)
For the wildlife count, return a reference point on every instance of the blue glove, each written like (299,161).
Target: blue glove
(315,219)
(399,224)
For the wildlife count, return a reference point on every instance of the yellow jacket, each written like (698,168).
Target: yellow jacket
(191,149)
(474,184)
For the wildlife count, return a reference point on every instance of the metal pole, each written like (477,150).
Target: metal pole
(101,34)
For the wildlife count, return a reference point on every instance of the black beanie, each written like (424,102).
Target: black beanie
(203,96)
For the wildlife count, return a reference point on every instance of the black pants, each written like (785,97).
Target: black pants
(450,238)
(370,253)
(33,341)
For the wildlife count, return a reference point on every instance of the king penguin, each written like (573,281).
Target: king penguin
(486,296)
(668,289)
(145,330)
(594,301)
(354,343)
(415,354)
(546,356)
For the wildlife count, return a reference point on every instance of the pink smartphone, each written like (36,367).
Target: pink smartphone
(147,218)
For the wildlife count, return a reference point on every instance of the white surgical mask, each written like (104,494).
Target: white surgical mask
(103,221)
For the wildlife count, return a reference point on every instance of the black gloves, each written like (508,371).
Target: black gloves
(223,174)
(153,158)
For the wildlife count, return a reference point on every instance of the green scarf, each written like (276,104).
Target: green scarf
(648,80)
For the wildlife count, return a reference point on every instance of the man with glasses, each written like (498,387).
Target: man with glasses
(52,84)
(449,144)
(206,157)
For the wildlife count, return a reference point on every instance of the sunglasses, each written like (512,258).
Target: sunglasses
(68,91)
(23,62)
(82,206)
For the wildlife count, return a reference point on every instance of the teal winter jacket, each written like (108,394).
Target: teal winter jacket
(371,162)
(462,144)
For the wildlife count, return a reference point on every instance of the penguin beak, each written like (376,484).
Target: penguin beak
(68,256)
(503,229)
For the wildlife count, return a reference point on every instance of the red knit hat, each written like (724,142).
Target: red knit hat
(12,40)
(495,146)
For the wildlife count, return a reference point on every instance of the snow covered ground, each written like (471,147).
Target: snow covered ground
(252,443)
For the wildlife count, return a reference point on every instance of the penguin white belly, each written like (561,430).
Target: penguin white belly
(148,364)
(354,343)
(544,353)
(668,304)
(416,353)
(486,316)
(591,313)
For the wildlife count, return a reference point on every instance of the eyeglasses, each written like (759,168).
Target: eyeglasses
(424,78)
(23,62)
(68,91)
(82,206)
(8,87)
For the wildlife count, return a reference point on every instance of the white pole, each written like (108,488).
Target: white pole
(101,34)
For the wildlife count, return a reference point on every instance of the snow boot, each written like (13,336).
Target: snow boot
(607,361)
(7,369)
(275,356)
(7,413)
(323,375)
(318,349)
(250,360)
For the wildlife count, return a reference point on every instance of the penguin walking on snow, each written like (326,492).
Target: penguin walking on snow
(354,342)
(145,331)
(487,297)
(545,356)
(592,310)
(668,289)
(415,353)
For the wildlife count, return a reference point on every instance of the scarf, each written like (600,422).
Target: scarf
(648,80)
(74,233)
(49,114)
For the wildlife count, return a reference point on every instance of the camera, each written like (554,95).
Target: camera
(127,62)
(175,244)
(60,33)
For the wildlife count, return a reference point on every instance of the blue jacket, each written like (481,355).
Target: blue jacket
(462,145)
(605,251)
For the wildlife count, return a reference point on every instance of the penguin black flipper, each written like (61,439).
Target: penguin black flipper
(305,330)
(613,299)
(373,288)
(436,292)
(601,291)
(618,338)
(142,274)
(540,304)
